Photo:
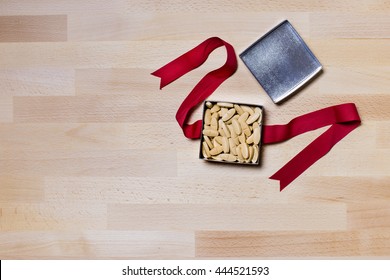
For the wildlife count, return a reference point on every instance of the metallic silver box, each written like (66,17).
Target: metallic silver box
(281,61)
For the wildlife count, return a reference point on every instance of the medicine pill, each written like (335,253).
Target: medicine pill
(229,114)
(253,118)
(238,109)
(228,157)
(225,104)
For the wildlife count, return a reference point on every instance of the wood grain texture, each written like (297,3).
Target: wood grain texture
(213,217)
(50,28)
(304,244)
(37,81)
(6,109)
(94,166)
(97,244)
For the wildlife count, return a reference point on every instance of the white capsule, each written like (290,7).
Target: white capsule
(215,108)
(207,117)
(225,145)
(210,132)
(255,154)
(245,150)
(208,141)
(238,109)
(256,135)
(216,150)
(228,157)
(253,118)
(205,150)
(228,115)
(247,109)
(225,104)
(236,126)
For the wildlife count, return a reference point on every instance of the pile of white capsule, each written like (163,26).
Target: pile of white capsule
(231,132)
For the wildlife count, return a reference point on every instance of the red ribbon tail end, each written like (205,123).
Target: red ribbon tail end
(282,182)
(158,75)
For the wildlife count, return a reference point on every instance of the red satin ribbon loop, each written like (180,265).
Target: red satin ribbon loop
(206,86)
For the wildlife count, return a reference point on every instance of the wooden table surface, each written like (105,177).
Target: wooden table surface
(93,164)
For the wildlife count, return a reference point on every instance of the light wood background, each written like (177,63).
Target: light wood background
(93,164)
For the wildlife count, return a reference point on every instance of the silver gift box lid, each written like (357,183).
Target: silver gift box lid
(281,61)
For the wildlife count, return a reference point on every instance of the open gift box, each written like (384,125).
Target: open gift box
(231,132)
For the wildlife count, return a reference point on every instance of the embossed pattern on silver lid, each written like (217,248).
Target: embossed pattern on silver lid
(281,61)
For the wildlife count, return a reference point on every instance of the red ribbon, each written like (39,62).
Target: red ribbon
(342,118)
(206,86)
